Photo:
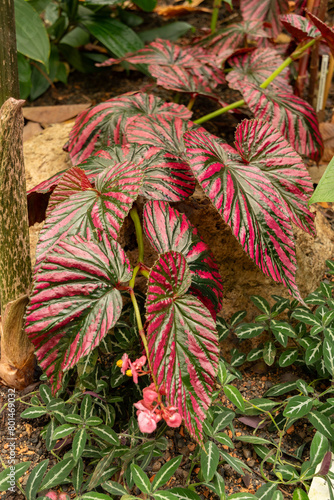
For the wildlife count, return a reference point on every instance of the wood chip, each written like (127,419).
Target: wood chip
(54,114)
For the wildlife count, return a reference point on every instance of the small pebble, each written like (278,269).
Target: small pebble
(247,453)
(156,466)
(251,463)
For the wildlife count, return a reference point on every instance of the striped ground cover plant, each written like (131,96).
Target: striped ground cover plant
(133,157)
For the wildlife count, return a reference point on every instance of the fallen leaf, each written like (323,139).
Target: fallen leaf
(169,11)
(291,429)
(327,134)
(53,114)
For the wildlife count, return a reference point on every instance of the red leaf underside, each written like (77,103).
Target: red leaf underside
(299,27)
(182,340)
(104,124)
(248,201)
(92,212)
(168,230)
(75,301)
(326,32)
(268,11)
(291,115)
(255,68)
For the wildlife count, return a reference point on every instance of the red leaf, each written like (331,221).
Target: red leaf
(299,27)
(268,11)
(326,32)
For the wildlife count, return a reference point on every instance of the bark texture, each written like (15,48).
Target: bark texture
(8,59)
(17,360)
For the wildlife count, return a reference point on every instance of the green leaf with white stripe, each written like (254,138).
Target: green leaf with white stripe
(298,407)
(299,494)
(33,412)
(326,289)
(314,352)
(184,494)
(86,406)
(6,478)
(237,317)
(242,496)
(287,472)
(224,418)
(319,447)
(223,438)
(266,491)
(164,495)
(321,423)
(280,337)
(222,372)
(219,485)
(92,495)
(279,389)
(35,479)
(255,354)
(73,418)
(77,475)
(328,318)
(166,472)
(328,354)
(107,434)
(45,393)
(56,404)
(305,342)
(269,353)
(233,395)
(264,453)
(238,358)
(315,330)
(249,331)
(102,466)
(261,303)
(253,440)
(209,460)
(306,317)
(114,488)
(49,441)
(283,327)
(79,443)
(278,495)
(140,478)
(257,406)
(237,464)
(57,474)
(288,357)
(63,431)
(93,421)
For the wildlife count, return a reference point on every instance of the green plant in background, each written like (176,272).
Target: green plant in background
(44,46)
(324,192)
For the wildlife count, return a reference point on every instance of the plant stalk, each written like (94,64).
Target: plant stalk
(214,17)
(8,55)
(296,54)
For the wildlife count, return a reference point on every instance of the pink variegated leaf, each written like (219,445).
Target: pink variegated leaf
(326,32)
(165,177)
(159,132)
(255,68)
(182,80)
(93,211)
(75,301)
(182,341)
(72,182)
(268,11)
(299,27)
(291,115)
(167,229)
(248,201)
(281,164)
(104,124)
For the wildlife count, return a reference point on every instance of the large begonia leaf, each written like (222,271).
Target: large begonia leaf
(182,80)
(38,198)
(255,68)
(247,200)
(182,340)
(268,11)
(299,27)
(93,211)
(291,115)
(104,124)
(281,164)
(326,32)
(167,229)
(75,301)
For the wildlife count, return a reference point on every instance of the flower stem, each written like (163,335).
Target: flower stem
(191,103)
(139,233)
(295,55)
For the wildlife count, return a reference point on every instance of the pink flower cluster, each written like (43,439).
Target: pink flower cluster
(131,369)
(53,495)
(151,410)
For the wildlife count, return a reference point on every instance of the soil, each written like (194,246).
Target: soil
(44,157)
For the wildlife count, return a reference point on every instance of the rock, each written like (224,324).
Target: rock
(156,466)
(247,453)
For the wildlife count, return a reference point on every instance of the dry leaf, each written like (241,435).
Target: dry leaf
(185,8)
(327,133)
(54,114)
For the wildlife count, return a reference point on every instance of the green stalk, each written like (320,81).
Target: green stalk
(139,233)
(295,55)
(215,12)
(191,103)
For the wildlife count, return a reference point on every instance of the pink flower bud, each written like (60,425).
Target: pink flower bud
(63,496)
(126,363)
(174,420)
(147,422)
(52,495)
